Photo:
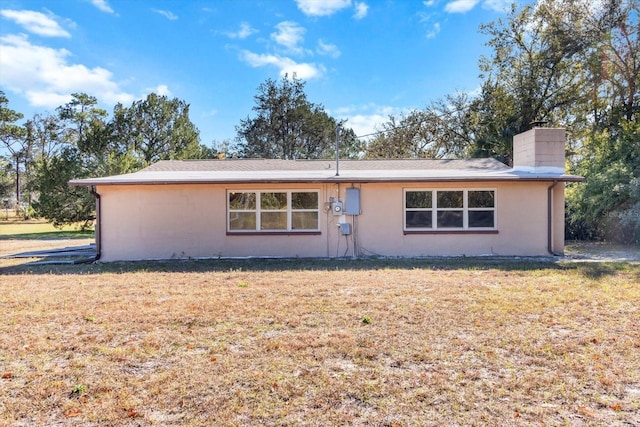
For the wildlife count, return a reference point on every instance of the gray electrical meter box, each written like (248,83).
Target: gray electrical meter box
(337,207)
(345,229)
(352,201)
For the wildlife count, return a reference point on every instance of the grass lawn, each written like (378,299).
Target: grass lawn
(18,236)
(360,342)
(39,229)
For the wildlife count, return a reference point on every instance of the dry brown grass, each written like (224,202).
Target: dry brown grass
(405,343)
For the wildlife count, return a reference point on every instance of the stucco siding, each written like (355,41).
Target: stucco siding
(152,222)
(520,218)
(190,221)
(174,221)
(558,218)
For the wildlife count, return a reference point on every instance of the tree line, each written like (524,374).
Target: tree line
(82,140)
(569,63)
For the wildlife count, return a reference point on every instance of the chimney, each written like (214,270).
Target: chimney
(540,150)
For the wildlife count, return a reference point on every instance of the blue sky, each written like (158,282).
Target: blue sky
(362,60)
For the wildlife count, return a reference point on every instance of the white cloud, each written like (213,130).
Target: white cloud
(434,31)
(161,90)
(245,31)
(322,7)
(289,35)
(460,6)
(35,22)
(475,92)
(429,3)
(367,119)
(167,14)
(424,17)
(43,75)
(328,49)
(304,71)
(102,5)
(366,124)
(361,10)
(498,5)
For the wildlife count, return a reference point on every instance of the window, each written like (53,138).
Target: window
(450,209)
(427,210)
(272,211)
(482,207)
(418,209)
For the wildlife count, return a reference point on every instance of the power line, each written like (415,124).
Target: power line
(382,131)
(438,116)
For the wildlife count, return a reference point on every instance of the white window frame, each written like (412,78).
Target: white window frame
(258,210)
(435,209)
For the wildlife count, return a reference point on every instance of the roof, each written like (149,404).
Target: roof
(229,171)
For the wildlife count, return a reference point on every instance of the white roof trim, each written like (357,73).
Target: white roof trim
(539,169)
(147,177)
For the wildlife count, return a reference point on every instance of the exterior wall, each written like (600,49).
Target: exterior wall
(521,218)
(539,147)
(173,221)
(557,232)
(189,221)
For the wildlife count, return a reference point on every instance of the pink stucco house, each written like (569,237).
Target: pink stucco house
(307,208)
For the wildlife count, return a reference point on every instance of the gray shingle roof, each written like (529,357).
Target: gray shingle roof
(230,171)
(318,165)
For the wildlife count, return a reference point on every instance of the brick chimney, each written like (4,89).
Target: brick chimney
(540,150)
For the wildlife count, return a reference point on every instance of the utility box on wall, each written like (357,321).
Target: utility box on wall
(353,201)
(345,229)
(337,207)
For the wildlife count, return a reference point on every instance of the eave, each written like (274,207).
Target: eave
(288,177)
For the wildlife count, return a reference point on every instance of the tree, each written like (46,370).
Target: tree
(496,121)
(288,126)
(81,143)
(68,150)
(46,132)
(58,202)
(607,205)
(571,63)
(80,114)
(6,181)
(442,130)
(574,64)
(607,152)
(12,136)
(613,67)
(156,128)
(536,70)
(405,137)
